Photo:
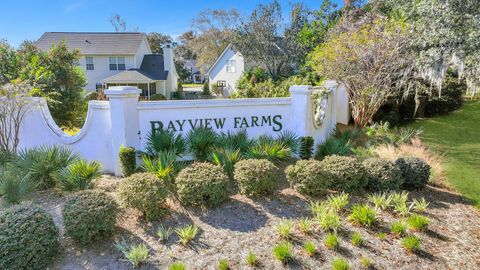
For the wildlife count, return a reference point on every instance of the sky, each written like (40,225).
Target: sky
(28,19)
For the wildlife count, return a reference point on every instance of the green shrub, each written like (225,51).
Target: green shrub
(418,223)
(398,228)
(202,184)
(128,160)
(380,200)
(364,215)
(235,140)
(78,176)
(306,147)
(226,158)
(415,172)
(28,238)
(356,239)
(340,264)
(88,215)
(144,192)
(310,248)
(155,97)
(14,187)
(135,254)
(206,89)
(334,146)
(343,173)
(283,252)
(382,175)
(201,142)
(331,241)
(177,266)
(256,176)
(307,177)
(162,141)
(419,206)
(6,157)
(411,243)
(164,166)
(223,264)
(289,139)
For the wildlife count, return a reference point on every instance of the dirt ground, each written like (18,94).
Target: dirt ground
(242,225)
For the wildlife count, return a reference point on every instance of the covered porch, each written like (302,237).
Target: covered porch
(143,81)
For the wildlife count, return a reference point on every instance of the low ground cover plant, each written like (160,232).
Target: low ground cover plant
(411,243)
(340,264)
(329,221)
(310,248)
(356,239)
(418,223)
(89,215)
(419,206)
(28,238)
(177,266)
(307,177)
(305,225)
(135,254)
(365,262)
(256,177)
(187,233)
(381,201)
(285,228)
(398,228)
(415,172)
(283,252)
(331,241)
(338,202)
(164,233)
(144,192)
(223,264)
(364,215)
(382,175)
(202,184)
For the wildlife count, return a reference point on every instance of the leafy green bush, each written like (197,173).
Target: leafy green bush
(144,192)
(13,187)
(28,238)
(364,215)
(382,175)
(343,173)
(256,176)
(283,252)
(415,172)
(179,87)
(78,176)
(202,184)
(155,97)
(306,147)
(165,141)
(201,142)
(89,214)
(271,149)
(128,160)
(307,177)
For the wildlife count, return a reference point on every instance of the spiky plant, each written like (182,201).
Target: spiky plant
(226,158)
(419,206)
(356,239)
(334,146)
(398,228)
(252,259)
(164,233)
(235,140)
(135,254)
(329,221)
(164,166)
(305,225)
(13,187)
(340,264)
(201,141)
(418,222)
(363,214)
(283,252)
(338,202)
(285,228)
(290,139)
(223,264)
(411,243)
(78,176)
(381,201)
(177,266)
(310,248)
(187,234)
(165,141)
(269,149)
(331,241)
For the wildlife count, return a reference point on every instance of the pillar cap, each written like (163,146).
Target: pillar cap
(299,89)
(122,91)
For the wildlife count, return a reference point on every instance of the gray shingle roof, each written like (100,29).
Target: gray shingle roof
(151,69)
(94,42)
(129,76)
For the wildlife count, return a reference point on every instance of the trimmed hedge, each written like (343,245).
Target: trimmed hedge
(157,97)
(89,215)
(202,184)
(344,173)
(144,192)
(28,238)
(307,177)
(256,176)
(415,172)
(128,160)
(382,174)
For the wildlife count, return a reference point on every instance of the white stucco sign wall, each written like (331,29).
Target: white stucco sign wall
(124,121)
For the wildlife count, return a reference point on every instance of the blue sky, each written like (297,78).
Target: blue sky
(28,19)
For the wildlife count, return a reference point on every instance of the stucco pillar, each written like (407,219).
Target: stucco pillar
(124,116)
(333,86)
(300,108)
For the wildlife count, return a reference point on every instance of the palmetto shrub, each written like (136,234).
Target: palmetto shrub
(382,175)
(201,141)
(343,173)
(271,149)
(78,176)
(41,164)
(226,157)
(256,176)
(307,177)
(28,238)
(128,160)
(144,192)
(89,215)
(164,166)
(415,172)
(334,146)
(14,187)
(165,141)
(235,141)
(202,184)
(290,139)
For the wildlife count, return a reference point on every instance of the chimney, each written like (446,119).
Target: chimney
(168,57)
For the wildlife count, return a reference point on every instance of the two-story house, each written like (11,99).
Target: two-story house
(118,58)
(227,69)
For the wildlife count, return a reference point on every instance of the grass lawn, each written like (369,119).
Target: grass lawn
(457,136)
(189,85)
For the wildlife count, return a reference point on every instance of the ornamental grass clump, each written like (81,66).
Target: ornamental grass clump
(28,238)
(310,248)
(307,177)
(164,233)
(338,202)
(356,239)
(340,264)
(398,228)
(331,241)
(89,215)
(381,201)
(202,184)
(419,206)
(382,175)
(285,228)
(256,176)
(365,262)
(223,264)
(251,259)
(364,215)
(343,173)
(415,172)
(164,140)
(283,252)
(187,233)
(305,225)
(418,223)
(411,243)
(329,221)
(146,193)
(135,254)
(177,266)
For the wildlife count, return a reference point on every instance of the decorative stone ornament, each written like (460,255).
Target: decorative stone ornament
(319,102)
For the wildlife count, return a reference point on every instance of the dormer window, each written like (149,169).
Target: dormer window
(230,66)
(117,62)
(89,63)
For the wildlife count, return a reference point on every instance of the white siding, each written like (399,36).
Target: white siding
(219,71)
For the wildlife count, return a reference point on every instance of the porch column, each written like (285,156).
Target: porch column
(123,102)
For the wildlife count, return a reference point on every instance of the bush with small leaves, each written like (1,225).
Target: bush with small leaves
(128,160)
(306,147)
(88,215)
(364,215)
(340,264)
(411,243)
(251,259)
(156,97)
(356,239)
(256,176)
(331,241)
(398,228)
(307,177)
(285,228)
(283,252)
(202,184)
(135,254)
(415,172)
(343,173)
(144,192)
(382,174)
(418,223)
(187,233)
(310,248)
(177,266)
(27,231)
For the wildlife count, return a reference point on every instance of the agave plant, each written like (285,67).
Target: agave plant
(13,187)
(201,141)
(226,158)
(165,141)
(235,141)
(78,176)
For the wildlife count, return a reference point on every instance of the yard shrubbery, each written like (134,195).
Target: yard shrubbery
(307,177)
(382,175)
(344,173)
(415,172)
(256,176)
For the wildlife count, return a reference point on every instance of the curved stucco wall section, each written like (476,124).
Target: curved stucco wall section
(93,142)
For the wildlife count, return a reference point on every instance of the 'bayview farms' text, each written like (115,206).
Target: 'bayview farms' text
(219,123)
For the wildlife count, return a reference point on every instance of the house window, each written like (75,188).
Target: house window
(231,66)
(89,63)
(117,62)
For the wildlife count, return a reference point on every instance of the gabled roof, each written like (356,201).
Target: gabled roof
(94,42)
(230,46)
(151,69)
(130,76)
